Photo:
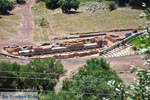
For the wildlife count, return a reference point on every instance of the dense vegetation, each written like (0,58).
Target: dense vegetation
(37,75)
(90,83)
(66,5)
(20,1)
(5,6)
(52,4)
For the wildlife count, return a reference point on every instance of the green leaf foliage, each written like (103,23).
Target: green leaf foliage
(52,4)
(5,82)
(67,5)
(112,6)
(5,6)
(21,1)
(37,75)
(42,66)
(90,83)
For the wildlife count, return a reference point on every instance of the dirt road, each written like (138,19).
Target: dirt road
(26,26)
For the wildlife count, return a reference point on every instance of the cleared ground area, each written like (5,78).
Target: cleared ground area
(9,26)
(101,20)
(60,24)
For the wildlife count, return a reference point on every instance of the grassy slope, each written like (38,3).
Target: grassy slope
(138,42)
(39,11)
(85,21)
(9,25)
(98,21)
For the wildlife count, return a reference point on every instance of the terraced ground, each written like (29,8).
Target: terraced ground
(60,24)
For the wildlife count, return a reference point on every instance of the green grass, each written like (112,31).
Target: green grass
(41,33)
(1,56)
(139,43)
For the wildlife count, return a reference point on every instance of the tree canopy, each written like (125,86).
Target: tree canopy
(90,83)
(5,6)
(66,5)
(52,4)
(37,75)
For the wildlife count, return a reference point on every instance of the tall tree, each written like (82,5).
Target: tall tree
(52,66)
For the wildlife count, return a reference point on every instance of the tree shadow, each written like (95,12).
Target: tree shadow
(7,14)
(73,12)
(137,7)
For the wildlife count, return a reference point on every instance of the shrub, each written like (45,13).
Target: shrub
(43,22)
(112,6)
(52,4)
(5,6)
(20,1)
(67,5)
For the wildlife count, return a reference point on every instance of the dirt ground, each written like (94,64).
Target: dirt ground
(26,26)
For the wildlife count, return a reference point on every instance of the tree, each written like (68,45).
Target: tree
(52,4)
(67,5)
(90,83)
(9,70)
(37,75)
(45,81)
(122,2)
(112,6)
(5,6)
(21,1)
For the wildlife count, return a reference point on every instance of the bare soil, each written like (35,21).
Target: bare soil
(26,26)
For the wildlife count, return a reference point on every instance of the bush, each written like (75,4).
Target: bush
(5,6)
(52,4)
(67,5)
(20,1)
(43,22)
(112,6)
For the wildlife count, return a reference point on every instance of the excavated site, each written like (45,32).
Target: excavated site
(103,45)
